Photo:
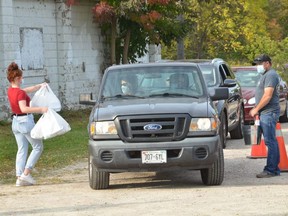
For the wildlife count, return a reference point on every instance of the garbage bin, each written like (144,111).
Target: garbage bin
(247,134)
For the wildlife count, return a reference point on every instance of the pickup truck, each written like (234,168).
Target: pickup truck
(154,117)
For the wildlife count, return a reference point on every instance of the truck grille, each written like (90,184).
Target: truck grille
(168,127)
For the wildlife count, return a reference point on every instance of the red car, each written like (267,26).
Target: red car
(248,78)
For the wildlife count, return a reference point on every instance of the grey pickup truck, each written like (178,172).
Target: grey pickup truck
(154,117)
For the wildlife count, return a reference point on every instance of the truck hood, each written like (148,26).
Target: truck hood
(109,110)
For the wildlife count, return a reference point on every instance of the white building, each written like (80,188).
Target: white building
(55,43)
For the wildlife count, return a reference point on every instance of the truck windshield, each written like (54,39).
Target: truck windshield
(148,81)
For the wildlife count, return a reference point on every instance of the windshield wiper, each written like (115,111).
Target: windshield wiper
(166,94)
(119,96)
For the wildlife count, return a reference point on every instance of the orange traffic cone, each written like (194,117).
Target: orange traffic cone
(257,150)
(283,165)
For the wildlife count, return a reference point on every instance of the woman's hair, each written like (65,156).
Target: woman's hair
(13,71)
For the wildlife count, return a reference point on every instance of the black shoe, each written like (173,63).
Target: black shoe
(264,175)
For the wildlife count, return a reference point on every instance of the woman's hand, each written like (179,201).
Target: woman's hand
(44,109)
(44,84)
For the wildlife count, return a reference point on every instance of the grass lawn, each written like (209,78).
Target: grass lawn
(58,152)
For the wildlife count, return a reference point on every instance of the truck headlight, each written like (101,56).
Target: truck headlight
(107,127)
(203,124)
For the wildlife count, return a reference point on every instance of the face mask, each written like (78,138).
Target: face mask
(260,69)
(22,82)
(125,89)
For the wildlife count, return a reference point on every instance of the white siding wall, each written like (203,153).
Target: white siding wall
(63,43)
(73,49)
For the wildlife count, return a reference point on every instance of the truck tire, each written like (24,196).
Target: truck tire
(237,133)
(97,180)
(215,174)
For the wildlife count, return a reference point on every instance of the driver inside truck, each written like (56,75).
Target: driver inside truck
(128,84)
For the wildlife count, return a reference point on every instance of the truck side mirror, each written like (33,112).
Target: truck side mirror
(229,83)
(86,99)
(219,93)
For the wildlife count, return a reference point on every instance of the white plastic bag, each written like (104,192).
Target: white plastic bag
(50,124)
(45,97)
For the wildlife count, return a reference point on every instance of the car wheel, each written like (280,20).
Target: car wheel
(237,133)
(97,180)
(284,118)
(223,130)
(215,174)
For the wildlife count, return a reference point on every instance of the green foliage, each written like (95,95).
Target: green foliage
(58,152)
(221,29)
(169,51)
(236,31)
(138,42)
(277,12)
(151,21)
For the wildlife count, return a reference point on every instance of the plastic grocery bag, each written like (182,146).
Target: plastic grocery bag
(50,124)
(256,131)
(45,97)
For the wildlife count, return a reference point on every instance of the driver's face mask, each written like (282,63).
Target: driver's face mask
(125,89)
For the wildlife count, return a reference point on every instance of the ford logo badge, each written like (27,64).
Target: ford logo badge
(152,127)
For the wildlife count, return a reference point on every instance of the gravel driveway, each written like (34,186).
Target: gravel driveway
(67,191)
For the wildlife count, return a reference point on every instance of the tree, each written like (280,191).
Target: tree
(226,29)
(277,12)
(132,24)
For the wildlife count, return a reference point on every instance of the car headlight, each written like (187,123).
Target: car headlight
(251,101)
(98,128)
(203,124)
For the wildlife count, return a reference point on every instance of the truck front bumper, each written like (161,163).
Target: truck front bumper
(190,153)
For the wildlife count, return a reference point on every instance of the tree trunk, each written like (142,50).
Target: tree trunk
(113,41)
(180,42)
(180,49)
(126,46)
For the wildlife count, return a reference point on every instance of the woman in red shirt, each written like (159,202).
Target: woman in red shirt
(22,124)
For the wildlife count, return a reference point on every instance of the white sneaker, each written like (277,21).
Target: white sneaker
(20,183)
(28,179)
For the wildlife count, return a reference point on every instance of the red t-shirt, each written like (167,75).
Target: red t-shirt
(15,95)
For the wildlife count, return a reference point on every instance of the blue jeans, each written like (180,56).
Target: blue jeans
(21,127)
(268,123)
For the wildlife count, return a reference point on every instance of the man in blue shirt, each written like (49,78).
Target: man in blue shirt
(268,109)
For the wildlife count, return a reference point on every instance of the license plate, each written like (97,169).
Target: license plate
(150,157)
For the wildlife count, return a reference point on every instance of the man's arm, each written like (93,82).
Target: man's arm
(268,92)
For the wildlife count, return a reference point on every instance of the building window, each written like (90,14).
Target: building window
(31,47)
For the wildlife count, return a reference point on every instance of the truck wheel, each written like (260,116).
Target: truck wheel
(215,174)
(97,180)
(237,133)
